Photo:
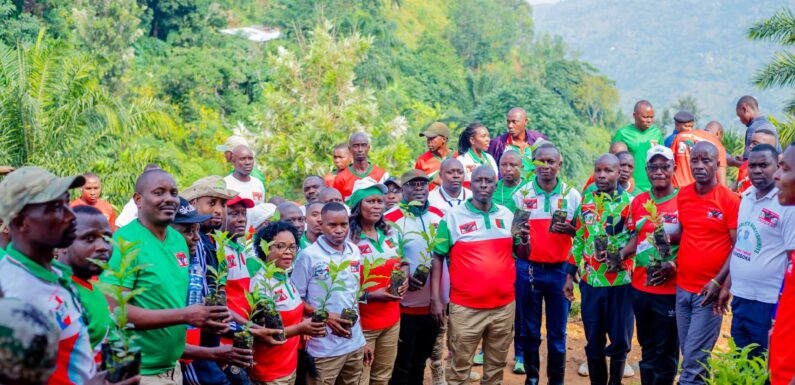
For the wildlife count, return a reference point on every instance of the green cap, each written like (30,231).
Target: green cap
(30,342)
(364,188)
(410,175)
(436,129)
(32,185)
(210,186)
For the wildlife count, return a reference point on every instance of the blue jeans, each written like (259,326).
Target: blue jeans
(545,286)
(698,331)
(206,372)
(607,312)
(751,323)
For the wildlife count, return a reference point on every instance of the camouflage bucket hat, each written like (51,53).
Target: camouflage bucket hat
(211,186)
(32,185)
(28,343)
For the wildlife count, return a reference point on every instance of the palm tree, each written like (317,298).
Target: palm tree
(779,28)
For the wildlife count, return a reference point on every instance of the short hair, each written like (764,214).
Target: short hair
(89,175)
(268,232)
(333,206)
(765,131)
(310,204)
(277,200)
(86,209)
(546,145)
(151,166)
(341,146)
(749,101)
(313,176)
(766,147)
(642,103)
(357,134)
(622,154)
(140,183)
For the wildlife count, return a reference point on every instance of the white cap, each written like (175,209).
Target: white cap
(232,142)
(260,213)
(659,150)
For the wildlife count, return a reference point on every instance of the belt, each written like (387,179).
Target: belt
(545,265)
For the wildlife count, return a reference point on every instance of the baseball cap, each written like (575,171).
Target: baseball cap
(364,188)
(684,117)
(392,180)
(260,213)
(659,150)
(232,142)
(187,214)
(410,175)
(210,186)
(247,203)
(30,342)
(32,185)
(436,129)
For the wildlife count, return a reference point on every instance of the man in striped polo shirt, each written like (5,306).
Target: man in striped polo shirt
(540,278)
(476,240)
(359,146)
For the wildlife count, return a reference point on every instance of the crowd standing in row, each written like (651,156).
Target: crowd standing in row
(373,276)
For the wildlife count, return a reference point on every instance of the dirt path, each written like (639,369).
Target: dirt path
(576,356)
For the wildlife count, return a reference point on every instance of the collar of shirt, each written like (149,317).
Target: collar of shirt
(377,243)
(36,269)
(366,173)
(476,210)
(461,195)
(751,194)
(416,210)
(326,247)
(475,158)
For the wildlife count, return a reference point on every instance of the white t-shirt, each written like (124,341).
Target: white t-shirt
(765,231)
(438,198)
(311,266)
(253,189)
(128,214)
(471,161)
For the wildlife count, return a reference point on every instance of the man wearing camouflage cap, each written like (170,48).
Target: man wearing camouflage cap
(228,147)
(436,137)
(34,205)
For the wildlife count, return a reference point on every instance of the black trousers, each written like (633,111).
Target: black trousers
(655,318)
(417,336)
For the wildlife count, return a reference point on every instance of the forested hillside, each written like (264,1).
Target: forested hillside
(668,49)
(91,85)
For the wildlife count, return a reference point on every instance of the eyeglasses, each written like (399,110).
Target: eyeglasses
(394,191)
(282,247)
(659,167)
(417,184)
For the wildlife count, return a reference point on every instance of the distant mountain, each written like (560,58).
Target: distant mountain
(663,49)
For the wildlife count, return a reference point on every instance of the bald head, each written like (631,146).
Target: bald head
(359,146)
(329,194)
(243,161)
(483,171)
(708,148)
(606,171)
(642,105)
(607,159)
(715,128)
(749,102)
(516,122)
(643,114)
(146,179)
(450,163)
(747,109)
(617,147)
(290,212)
(358,137)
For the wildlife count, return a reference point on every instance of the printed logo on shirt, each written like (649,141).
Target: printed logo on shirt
(769,218)
(231,260)
(390,243)
(280,295)
(468,227)
(499,223)
(365,249)
(354,266)
(530,203)
(62,313)
(257,196)
(182,259)
(670,219)
(588,213)
(715,213)
(320,271)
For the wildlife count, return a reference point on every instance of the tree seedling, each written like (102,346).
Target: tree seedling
(659,239)
(262,300)
(217,277)
(423,270)
(559,215)
(321,314)
(121,356)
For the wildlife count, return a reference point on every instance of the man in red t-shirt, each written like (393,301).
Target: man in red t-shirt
(430,162)
(683,147)
(708,215)
(654,299)
(341,157)
(89,196)
(359,146)
(782,349)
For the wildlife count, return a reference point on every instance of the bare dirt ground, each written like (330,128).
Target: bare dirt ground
(576,356)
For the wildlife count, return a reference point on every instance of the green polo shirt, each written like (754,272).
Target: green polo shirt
(165,285)
(503,195)
(2,253)
(95,310)
(639,143)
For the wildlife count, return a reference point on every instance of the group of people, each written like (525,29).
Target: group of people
(373,277)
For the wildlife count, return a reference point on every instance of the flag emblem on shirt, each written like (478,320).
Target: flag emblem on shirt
(715,213)
(530,203)
(354,266)
(365,249)
(182,259)
(230,260)
(500,223)
(280,295)
(769,218)
(670,218)
(390,243)
(468,227)
(62,313)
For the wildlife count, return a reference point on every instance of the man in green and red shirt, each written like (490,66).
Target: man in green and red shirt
(639,137)
(359,146)
(436,136)
(511,182)
(341,157)
(782,350)
(606,295)
(476,239)
(708,215)
(654,300)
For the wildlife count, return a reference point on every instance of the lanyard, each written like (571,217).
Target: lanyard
(444,196)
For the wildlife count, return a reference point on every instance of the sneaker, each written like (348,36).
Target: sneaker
(478,360)
(518,366)
(437,373)
(628,371)
(583,369)
(474,376)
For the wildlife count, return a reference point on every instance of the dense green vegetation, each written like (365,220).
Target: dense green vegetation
(91,85)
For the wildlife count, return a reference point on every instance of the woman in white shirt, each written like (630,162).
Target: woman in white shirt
(472,149)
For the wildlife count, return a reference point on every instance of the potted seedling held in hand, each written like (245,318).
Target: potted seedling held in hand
(559,215)
(367,281)
(600,239)
(121,356)
(335,284)
(658,239)
(262,300)
(216,281)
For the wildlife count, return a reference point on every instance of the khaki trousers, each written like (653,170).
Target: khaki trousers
(438,346)
(169,377)
(339,370)
(384,343)
(467,326)
(286,380)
